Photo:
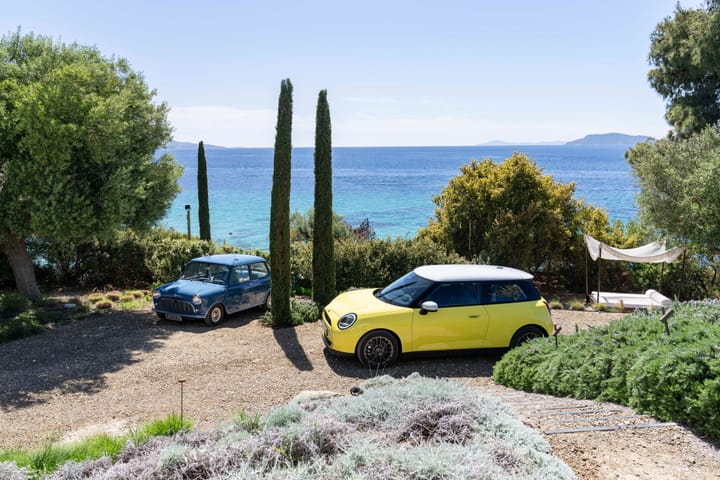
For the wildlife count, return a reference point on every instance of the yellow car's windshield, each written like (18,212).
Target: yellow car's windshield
(405,291)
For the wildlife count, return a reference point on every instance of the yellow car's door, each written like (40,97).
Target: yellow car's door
(459,322)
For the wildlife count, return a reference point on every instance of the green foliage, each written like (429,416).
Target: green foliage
(632,361)
(21,326)
(13,303)
(247,422)
(280,210)
(163,427)
(203,202)
(680,187)
(302,228)
(78,134)
(53,455)
(507,213)
(323,258)
(302,311)
(686,59)
(128,259)
(371,263)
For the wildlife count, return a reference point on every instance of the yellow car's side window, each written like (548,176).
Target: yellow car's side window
(455,294)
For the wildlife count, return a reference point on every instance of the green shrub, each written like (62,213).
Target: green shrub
(302,311)
(21,326)
(556,305)
(13,303)
(632,361)
(369,263)
(45,317)
(577,305)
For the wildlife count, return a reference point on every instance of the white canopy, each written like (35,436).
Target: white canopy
(654,252)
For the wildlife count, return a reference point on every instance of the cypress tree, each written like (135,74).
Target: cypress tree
(280,210)
(323,260)
(203,204)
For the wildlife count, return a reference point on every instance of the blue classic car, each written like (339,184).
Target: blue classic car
(214,286)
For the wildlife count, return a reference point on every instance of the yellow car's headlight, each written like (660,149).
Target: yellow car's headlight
(346,321)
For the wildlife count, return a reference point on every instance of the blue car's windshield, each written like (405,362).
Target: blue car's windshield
(206,272)
(405,291)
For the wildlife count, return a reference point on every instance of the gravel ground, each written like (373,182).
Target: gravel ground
(114,371)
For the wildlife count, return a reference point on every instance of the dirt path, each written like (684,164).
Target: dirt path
(111,372)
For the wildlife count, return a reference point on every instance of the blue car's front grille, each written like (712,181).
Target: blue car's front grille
(173,305)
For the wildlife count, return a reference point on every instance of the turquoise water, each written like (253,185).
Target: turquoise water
(391,186)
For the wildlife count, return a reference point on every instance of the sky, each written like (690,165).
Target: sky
(397,73)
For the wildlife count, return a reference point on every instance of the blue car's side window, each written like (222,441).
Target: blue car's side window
(239,275)
(259,270)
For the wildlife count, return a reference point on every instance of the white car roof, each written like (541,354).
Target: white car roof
(470,272)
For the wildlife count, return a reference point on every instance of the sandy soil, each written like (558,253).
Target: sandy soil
(114,371)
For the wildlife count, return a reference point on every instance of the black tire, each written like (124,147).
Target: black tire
(378,349)
(526,334)
(161,316)
(215,316)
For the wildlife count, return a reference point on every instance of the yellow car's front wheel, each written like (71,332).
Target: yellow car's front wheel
(378,349)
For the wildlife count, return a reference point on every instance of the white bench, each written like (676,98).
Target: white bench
(650,299)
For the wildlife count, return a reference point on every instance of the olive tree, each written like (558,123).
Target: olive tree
(78,133)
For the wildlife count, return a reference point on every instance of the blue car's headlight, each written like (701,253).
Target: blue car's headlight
(346,321)
(156,294)
(196,300)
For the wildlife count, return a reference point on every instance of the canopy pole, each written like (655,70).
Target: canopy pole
(599,262)
(587,280)
(682,274)
(662,275)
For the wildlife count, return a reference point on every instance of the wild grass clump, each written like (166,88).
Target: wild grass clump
(577,305)
(408,428)
(555,305)
(86,457)
(114,296)
(633,361)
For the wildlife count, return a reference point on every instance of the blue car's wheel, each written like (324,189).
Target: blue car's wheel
(378,349)
(215,316)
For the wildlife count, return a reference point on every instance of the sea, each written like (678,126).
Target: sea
(392,187)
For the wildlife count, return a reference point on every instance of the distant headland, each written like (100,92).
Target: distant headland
(596,139)
(610,139)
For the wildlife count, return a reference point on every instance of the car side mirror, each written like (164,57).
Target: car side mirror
(428,306)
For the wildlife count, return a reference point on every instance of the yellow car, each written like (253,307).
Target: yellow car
(437,308)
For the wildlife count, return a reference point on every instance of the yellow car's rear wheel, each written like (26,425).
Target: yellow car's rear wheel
(378,349)
(526,334)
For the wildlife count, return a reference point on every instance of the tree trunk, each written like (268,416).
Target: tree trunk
(21,264)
